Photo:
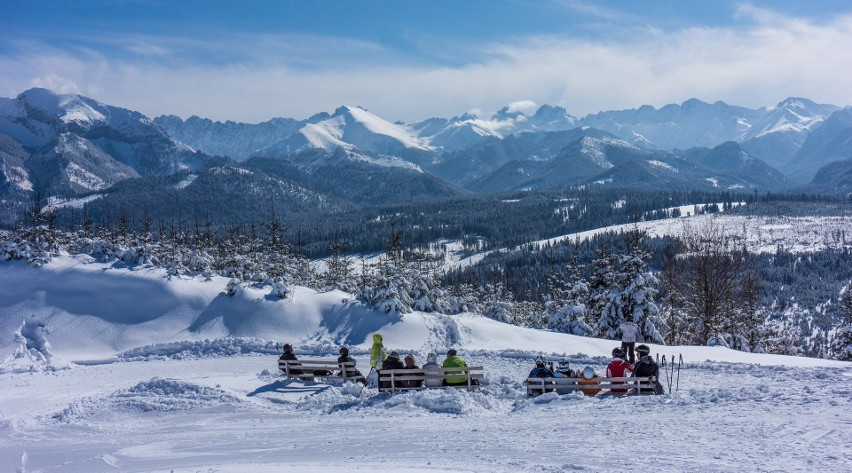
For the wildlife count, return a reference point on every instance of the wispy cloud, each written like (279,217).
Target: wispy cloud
(761,59)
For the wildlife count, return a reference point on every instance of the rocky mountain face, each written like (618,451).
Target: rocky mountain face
(235,140)
(830,142)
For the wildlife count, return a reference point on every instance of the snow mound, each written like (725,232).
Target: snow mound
(200,349)
(155,395)
(351,397)
(33,352)
(442,401)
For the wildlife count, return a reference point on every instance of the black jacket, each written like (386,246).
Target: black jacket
(391,364)
(291,357)
(351,372)
(645,367)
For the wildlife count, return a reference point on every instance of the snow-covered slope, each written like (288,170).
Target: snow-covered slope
(159,392)
(94,310)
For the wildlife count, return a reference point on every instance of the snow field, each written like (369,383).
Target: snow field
(110,368)
(231,414)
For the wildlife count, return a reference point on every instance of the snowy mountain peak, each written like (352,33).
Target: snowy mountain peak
(67,108)
(794,116)
(350,128)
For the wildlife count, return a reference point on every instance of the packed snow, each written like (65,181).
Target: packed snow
(116,368)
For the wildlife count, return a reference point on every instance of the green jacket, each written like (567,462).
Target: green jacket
(455,362)
(377,353)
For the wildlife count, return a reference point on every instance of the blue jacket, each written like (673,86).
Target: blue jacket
(540,373)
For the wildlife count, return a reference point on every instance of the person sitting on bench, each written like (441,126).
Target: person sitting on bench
(618,368)
(289,356)
(645,367)
(410,365)
(541,371)
(350,371)
(455,361)
(432,371)
(589,377)
(391,363)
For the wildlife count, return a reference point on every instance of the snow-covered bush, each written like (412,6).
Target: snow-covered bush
(280,289)
(232,287)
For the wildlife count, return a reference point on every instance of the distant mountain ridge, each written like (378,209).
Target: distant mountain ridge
(774,135)
(62,145)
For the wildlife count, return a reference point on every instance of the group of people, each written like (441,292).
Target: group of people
(619,367)
(432,372)
(380,360)
(348,371)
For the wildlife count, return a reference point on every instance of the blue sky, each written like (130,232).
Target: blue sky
(406,60)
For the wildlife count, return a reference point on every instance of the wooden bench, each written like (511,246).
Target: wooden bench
(631,385)
(312,369)
(471,374)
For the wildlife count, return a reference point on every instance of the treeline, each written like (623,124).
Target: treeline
(482,222)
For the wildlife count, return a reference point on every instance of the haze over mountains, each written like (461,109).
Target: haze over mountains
(67,146)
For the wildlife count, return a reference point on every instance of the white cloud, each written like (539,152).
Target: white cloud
(523,106)
(761,60)
(56,83)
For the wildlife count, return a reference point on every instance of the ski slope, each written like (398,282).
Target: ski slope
(125,369)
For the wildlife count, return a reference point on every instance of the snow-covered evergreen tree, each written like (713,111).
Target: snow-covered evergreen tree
(782,338)
(426,293)
(568,313)
(601,311)
(841,339)
(498,303)
(638,290)
(388,290)
(338,274)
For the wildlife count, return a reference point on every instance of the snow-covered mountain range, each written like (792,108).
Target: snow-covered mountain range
(60,145)
(774,135)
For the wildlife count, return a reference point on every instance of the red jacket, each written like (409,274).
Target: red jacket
(618,368)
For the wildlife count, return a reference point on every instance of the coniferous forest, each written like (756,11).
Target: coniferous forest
(698,288)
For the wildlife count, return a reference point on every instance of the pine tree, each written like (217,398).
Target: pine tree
(782,338)
(600,309)
(338,274)
(639,288)
(841,340)
(568,313)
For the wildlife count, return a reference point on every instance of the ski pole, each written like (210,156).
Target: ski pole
(680,362)
(671,375)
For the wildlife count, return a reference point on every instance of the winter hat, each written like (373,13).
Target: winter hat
(617,352)
(539,361)
(409,357)
(288,348)
(432,357)
(588,372)
(394,354)
(344,351)
(643,350)
(451,352)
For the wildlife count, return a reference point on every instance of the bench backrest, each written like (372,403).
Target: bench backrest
(308,368)
(568,384)
(469,373)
